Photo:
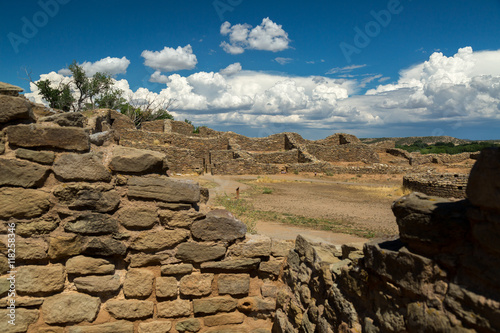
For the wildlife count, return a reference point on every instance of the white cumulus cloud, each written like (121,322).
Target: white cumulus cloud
(231,69)
(111,66)
(170,59)
(268,36)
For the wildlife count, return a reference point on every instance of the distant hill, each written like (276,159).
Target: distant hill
(425,139)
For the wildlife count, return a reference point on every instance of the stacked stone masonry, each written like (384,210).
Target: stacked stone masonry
(106,242)
(441,185)
(439,275)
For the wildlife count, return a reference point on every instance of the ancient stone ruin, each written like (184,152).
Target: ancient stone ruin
(104,241)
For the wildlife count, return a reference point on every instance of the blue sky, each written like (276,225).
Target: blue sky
(370,68)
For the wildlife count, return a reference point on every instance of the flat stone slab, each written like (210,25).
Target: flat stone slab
(22,173)
(14,108)
(120,326)
(219,225)
(66,138)
(23,203)
(81,167)
(33,279)
(82,265)
(80,196)
(70,308)
(92,224)
(42,157)
(132,160)
(96,285)
(197,252)
(130,309)
(163,189)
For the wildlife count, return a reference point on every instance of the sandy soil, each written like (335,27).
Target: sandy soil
(363,201)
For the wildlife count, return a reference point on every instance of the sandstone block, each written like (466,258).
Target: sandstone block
(253,246)
(243,264)
(196,284)
(66,119)
(219,225)
(67,138)
(137,217)
(155,327)
(142,259)
(22,173)
(4,264)
(81,167)
(179,269)
(64,246)
(70,308)
(97,285)
(272,266)
(23,203)
(177,308)
(24,318)
(31,249)
(483,189)
(162,189)
(188,325)
(32,280)
(120,326)
(104,247)
(214,305)
(130,309)
(42,157)
(196,252)
(92,224)
(158,240)
(132,160)
(14,108)
(4,286)
(252,304)
(100,198)
(233,284)
(179,219)
(281,248)
(138,283)
(269,290)
(166,287)
(82,265)
(428,223)
(224,319)
(44,225)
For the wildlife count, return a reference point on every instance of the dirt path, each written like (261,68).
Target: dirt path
(357,203)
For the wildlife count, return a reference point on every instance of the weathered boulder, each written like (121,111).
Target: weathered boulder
(138,283)
(196,284)
(219,225)
(42,157)
(82,265)
(130,309)
(100,198)
(67,138)
(483,189)
(32,280)
(137,217)
(97,285)
(81,167)
(66,119)
(157,240)
(14,108)
(132,160)
(172,309)
(429,224)
(120,326)
(23,203)
(197,252)
(163,189)
(92,224)
(22,173)
(70,308)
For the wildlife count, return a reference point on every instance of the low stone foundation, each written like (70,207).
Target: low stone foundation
(441,185)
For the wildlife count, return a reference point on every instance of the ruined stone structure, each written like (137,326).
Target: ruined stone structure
(442,185)
(94,238)
(440,275)
(98,239)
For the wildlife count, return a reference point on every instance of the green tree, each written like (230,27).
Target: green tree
(58,98)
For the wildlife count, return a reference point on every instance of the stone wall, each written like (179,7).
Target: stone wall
(242,166)
(179,127)
(440,275)
(98,239)
(274,142)
(285,157)
(441,185)
(343,153)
